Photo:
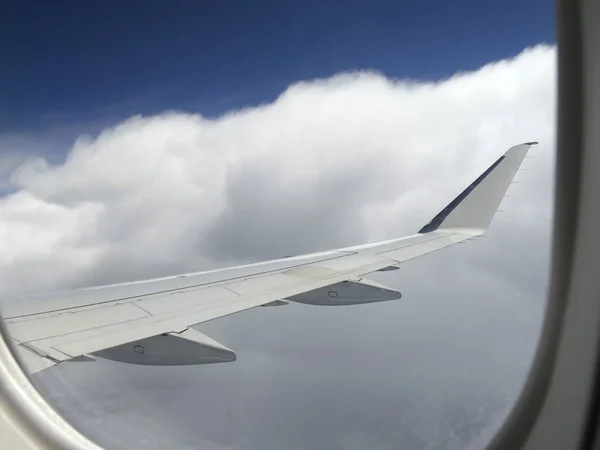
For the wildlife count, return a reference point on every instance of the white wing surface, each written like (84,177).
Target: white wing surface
(148,322)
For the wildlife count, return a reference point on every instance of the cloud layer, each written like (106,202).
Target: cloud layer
(331,162)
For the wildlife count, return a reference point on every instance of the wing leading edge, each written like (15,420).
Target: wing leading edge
(149,322)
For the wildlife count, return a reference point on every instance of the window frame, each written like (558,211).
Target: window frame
(559,404)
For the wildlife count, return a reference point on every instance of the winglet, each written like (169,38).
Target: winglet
(473,210)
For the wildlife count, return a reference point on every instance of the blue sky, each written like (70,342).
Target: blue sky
(94,63)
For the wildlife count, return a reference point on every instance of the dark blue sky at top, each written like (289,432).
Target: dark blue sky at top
(82,61)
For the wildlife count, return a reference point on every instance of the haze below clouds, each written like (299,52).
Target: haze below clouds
(334,162)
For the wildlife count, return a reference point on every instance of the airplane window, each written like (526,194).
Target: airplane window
(142,142)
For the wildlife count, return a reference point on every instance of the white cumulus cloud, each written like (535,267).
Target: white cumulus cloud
(330,162)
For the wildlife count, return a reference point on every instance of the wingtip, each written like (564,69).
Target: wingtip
(530,143)
(473,209)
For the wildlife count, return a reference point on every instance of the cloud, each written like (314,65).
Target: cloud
(330,162)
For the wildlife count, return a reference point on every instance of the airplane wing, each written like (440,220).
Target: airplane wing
(148,322)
